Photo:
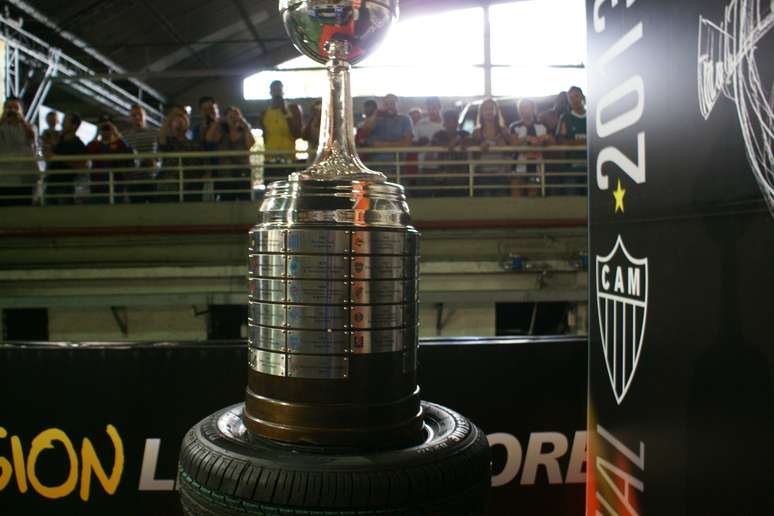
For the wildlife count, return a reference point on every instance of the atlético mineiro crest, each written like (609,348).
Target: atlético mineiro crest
(622,307)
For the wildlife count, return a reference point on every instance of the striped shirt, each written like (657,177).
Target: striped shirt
(142,140)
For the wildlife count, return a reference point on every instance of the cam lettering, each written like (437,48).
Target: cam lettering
(634,281)
(544,450)
(25,471)
(632,285)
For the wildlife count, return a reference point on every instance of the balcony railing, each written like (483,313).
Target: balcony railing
(241,175)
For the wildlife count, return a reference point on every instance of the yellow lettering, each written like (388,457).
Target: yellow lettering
(18,463)
(90,463)
(5,466)
(45,441)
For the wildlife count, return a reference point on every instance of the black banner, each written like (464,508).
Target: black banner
(682,245)
(97,429)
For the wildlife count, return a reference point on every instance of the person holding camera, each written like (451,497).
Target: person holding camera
(281,123)
(173,137)
(109,141)
(232,133)
(387,128)
(17,138)
(61,187)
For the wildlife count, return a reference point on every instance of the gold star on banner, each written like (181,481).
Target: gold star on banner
(619,197)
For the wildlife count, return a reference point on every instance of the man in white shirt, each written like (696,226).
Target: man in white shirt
(528,131)
(425,129)
(17,138)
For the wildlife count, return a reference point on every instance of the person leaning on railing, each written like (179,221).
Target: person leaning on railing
(173,137)
(528,132)
(60,188)
(144,140)
(17,138)
(50,135)
(386,127)
(232,133)
(456,140)
(108,185)
(491,132)
(572,131)
(429,123)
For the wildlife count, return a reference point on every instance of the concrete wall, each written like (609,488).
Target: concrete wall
(174,323)
(457,320)
(177,323)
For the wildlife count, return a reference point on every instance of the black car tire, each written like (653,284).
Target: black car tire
(226,471)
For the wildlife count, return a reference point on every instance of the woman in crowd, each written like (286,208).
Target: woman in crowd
(491,132)
(109,141)
(232,133)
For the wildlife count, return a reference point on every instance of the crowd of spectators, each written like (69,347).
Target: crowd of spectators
(134,174)
(226,176)
(564,123)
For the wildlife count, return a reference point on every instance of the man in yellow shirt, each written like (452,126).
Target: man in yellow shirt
(281,124)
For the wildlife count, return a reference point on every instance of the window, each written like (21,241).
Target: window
(535,44)
(441,54)
(538,48)
(227,322)
(513,319)
(25,324)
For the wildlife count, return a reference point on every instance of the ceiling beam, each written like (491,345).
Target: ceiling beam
(167,61)
(82,45)
(249,24)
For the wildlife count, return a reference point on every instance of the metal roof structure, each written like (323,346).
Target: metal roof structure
(171,51)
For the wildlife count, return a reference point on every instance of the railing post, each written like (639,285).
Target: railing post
(397,167)
(180,183)
(471,174)
(111,187)
(542,170)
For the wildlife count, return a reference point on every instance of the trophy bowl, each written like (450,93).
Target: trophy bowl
(311,24)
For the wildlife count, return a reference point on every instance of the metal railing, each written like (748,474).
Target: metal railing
(241,175)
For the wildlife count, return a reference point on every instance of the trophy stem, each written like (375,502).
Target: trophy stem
(336,153)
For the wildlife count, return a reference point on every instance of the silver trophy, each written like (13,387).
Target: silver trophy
(332,422)
(334,268)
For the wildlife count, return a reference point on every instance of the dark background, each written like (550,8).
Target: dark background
(516,386)
(701,401)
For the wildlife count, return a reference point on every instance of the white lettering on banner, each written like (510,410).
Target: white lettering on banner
(619,481)
(636,171)
(150,457)
(634,281)
(513,455)
(619,47)
(619,284)
(634,85)
(543,449)
(576,473)
(549,459)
